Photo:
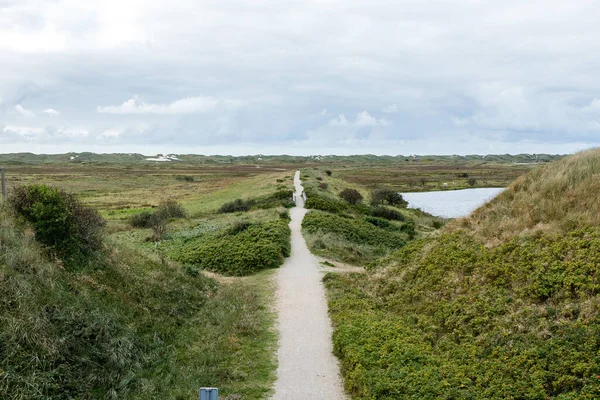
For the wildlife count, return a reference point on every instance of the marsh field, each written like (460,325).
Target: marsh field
(189,298)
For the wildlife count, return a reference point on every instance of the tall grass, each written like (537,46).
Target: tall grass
(132,329)
(554,198)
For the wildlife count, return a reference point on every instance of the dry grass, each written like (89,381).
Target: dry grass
(555,198)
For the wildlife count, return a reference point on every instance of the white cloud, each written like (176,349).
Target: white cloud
(390,109)
(339,121)
(51,112)
(200,104)
(24,112)
(24,131)
(363,119)
(324,111)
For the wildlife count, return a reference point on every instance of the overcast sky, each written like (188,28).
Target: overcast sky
(299,77)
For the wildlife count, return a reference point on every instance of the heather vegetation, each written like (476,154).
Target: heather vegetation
(90,308)
(345,229)
(501,304)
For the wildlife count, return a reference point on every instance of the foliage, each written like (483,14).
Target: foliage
(351,196)
(241,250)
(328,172)
(389,196)
(127,330)
(141,220)
(387,213)
(323,186)
(472,181)
(236,206)
(318,201)
(353,230)
(279,198)
(171,209)
(68,228)
(450,317)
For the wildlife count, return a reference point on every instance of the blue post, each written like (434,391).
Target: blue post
(209,394)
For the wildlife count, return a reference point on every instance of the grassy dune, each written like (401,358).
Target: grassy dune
(504,304)
(133,322)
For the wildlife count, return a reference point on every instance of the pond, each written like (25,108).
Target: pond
(451,203)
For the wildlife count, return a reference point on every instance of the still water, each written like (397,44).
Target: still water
(451,203)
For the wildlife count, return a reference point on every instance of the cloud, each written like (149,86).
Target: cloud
(51,112)
(24,112)
(363,119)
(23,131)
(339,121)
(403,63)
(390,109)
(201,104)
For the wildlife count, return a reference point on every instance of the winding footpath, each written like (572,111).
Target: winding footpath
(307,368)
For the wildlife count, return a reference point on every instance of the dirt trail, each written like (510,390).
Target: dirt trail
(307,368)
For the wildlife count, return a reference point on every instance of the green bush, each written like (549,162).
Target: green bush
(141,220)
(389,196)
(60,221)
(378,222)
(171,209)
(351,196)
(387,213)
(356,231)
(241,251)
(318,201)
(236,206)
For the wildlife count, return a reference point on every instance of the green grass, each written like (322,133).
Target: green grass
(127,327)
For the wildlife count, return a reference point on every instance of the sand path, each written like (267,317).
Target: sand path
(307,368)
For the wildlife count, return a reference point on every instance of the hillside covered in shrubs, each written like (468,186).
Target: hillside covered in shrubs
(354,227)
(504,304)
(83,317)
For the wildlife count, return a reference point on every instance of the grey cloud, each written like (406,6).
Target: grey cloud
(397,75)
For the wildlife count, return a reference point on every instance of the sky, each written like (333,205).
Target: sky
(299,77)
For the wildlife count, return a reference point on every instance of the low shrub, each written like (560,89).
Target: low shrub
(61,222)
(353,230)
(323,185)
(319,178)
(318,201)
(282,197)
(141,220)
(171,209)
(242,250)
(389,196)
(236,206)
(378,222)
(387,213)
(328,172)
(185,178)
(351,196)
